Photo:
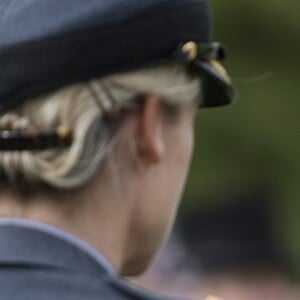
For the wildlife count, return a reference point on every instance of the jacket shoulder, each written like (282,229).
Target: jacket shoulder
(48,284)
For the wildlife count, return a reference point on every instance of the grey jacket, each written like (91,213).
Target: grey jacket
(35,265)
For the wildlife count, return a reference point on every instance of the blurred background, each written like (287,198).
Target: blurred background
(246,170)
(255,144)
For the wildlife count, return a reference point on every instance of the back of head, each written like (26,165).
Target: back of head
(83,109)
(59,48)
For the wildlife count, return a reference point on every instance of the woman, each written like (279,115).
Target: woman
(97,106)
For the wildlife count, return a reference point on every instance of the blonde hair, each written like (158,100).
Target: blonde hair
(82,108)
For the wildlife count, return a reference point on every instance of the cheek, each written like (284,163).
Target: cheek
(182,157)
(177,170)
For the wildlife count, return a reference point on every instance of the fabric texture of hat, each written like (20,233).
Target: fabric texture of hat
(45,45)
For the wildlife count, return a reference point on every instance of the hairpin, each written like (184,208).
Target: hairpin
(16,140)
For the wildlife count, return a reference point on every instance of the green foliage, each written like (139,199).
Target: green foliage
(256,142)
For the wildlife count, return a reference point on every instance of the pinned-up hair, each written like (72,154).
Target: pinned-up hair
(85,110)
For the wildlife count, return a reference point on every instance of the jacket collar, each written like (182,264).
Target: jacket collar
(35,247)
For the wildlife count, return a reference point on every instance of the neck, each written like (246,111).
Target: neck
(84,215)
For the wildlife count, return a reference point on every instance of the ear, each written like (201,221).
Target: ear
(150,141)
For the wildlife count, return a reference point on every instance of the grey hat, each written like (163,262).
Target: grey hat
(45,45)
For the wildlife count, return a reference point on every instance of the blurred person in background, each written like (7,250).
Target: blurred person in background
(227,251)
(94,146)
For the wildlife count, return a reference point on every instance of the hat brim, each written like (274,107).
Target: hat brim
(217,86)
